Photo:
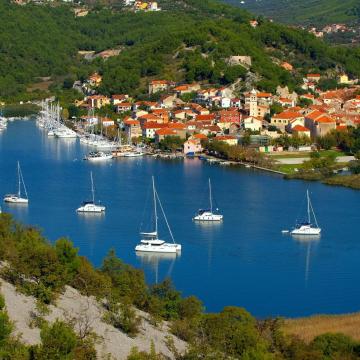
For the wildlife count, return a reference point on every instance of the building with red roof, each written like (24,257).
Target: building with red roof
(301,131)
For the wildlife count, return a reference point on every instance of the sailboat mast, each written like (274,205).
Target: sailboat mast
(308,205)
(211,205)
(19,180)
(92,187)
(155,208)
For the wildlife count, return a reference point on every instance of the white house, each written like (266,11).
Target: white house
(225,102)
(252,123)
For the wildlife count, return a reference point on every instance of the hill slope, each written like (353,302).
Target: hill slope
(317,12)
(189,42)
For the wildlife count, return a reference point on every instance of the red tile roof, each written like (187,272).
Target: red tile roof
(300,128)
(165,131)
(287,115)
(205,117)
(325,119)
(200,136)
(153,125)
(225,137)
(131,122)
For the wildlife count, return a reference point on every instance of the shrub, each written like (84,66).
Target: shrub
(123,317)
(332,344)
(58,342)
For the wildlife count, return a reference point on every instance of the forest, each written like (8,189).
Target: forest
(189,41)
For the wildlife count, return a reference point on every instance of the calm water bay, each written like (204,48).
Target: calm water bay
(244,261)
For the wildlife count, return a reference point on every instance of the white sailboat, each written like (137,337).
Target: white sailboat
(208,214)
(17,198)
(90,206)
(150,241)
(306,227)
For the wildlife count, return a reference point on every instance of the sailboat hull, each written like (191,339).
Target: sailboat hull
(15,200)
(91,209)
(208,217)
(306,231)
(164,248)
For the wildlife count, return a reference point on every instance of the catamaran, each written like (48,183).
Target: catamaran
(208,214)
(90,206)
(16,198)
(306,227)
(150,241)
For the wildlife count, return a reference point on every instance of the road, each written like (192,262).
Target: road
(295,161)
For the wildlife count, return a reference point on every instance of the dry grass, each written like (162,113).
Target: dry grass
(42,85)
(310,327)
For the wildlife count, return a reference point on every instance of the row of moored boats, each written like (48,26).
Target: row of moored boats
(50,120)
(150,241)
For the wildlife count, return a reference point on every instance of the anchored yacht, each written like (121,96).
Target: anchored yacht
(17,198)
(208,214)
(306,227)
(90,206)
(150,241)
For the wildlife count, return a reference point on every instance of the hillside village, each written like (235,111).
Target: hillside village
(194,113)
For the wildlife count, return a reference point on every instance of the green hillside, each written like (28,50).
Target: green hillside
(317,12)
(190,41)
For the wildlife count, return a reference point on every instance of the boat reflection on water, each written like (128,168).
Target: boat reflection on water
(90,216)
(151,261)
(20,211)
(209,231)
(91,225)
(308,241)
(208,225)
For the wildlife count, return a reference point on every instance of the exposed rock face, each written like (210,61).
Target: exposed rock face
(86,315)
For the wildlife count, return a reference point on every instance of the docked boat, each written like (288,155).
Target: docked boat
(121,150)
(90,206)
(307,228)
(3,123)
(98,156)
(208,214)
(65,133)
(133,154)
(150,241)
(17,198)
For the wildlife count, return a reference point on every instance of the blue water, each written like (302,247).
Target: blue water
(245,261)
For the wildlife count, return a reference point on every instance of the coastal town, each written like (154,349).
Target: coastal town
(194,113)
(165,166)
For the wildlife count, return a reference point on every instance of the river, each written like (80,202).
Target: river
(244,261)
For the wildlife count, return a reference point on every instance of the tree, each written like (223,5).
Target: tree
(275,108)
(170,299)
(128,282)
(332,345)
(354,166)
(327,141)
(5,325)
(190,307)
(233,73)
(68,257)
(58,342)
(240,324)
(172,143)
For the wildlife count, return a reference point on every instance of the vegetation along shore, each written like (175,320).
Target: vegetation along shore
(56,305)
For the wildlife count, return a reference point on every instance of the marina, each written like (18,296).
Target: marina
(244,260)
